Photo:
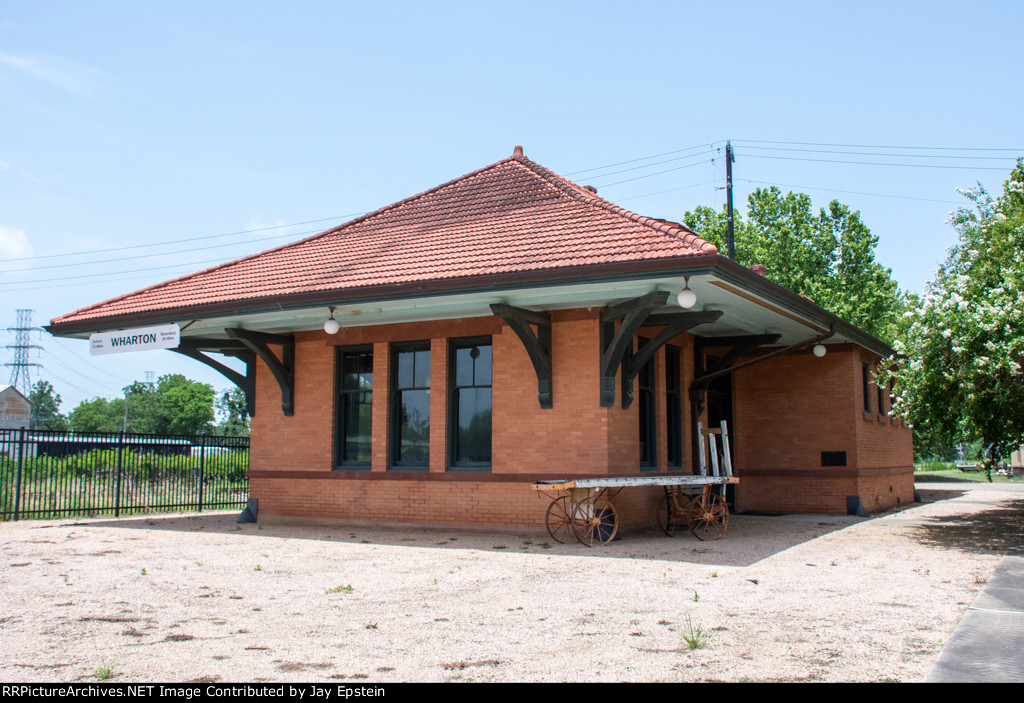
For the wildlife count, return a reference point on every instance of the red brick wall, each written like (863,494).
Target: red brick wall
(789,410)
(786,411)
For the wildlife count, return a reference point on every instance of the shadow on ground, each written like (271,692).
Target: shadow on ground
(996,530)
(746,542)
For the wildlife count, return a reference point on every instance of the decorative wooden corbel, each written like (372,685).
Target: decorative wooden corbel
(283,369)
(538,345)
(617,344)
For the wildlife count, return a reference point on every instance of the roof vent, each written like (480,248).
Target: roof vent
(592,189)
(518,151)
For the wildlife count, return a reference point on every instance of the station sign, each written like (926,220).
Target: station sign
(141,339)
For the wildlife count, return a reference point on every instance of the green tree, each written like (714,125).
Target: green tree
(964,339)
(828,257)
(46,402)
(146,412)
(187,404)
(98,415)
(173,405)
(231,407)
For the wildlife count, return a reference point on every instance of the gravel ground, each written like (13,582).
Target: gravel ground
(199,598)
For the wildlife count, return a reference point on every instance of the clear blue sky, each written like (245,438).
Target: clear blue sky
(131,123)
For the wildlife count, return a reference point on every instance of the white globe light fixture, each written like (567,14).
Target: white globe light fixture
(818,350)
(332,326)
(686,298)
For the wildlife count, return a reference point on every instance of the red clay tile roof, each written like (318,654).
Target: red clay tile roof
(510,217)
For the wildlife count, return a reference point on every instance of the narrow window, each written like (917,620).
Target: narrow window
(469,407)
(864,383)
(410,406)
(881,399)
(645,398)
(353,408)
(674,405)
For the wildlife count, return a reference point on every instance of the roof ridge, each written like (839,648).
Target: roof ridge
(587,197)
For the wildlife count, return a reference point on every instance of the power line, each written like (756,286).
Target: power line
(166,253)
(97,275)
(643,158)
(873,163)
(180,241)
(879,146)
(658,173)
(882,153)
(637,168)
(659,192)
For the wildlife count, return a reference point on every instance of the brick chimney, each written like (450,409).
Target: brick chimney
(759,269)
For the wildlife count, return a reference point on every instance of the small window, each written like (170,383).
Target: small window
(865,383)
(833,458)
(353,408)
(410,406)
(469,407)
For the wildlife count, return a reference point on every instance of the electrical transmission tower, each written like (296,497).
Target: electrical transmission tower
(20,374)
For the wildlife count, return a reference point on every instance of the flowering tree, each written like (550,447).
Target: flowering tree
(963,342)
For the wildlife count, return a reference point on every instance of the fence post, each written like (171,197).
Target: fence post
(17,482)
(117,483)
(202,467)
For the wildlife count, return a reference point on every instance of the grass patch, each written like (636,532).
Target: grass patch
(695,637)
(340,589)
(957,476)
(104,672)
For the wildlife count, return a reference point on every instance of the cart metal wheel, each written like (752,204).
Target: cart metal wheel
(598,522)
(559,519)
(708,517)
(665,516)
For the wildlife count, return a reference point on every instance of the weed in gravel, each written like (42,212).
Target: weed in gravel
(143,571)
(696,596)
(714,574)
(258,568)
(340,589)
(695,637)
(104,672)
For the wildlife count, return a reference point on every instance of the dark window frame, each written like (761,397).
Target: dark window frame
(340,406)
(395,394)
(647,404)
(454,344)
(866,387)
(674,406)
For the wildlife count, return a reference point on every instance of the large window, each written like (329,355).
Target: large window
(353,408)
(410,406)
(469,408)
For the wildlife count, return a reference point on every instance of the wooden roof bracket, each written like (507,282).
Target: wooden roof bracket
(193,348)
(538,345)
(283,368)
(616,345)
(699,386)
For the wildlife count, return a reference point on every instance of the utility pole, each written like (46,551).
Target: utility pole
(729,158)
(23,329)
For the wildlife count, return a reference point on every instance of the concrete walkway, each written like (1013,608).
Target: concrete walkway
(987,645)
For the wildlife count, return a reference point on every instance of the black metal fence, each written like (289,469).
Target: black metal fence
(47,474)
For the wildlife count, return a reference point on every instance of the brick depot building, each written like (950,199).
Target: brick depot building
(511,326)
